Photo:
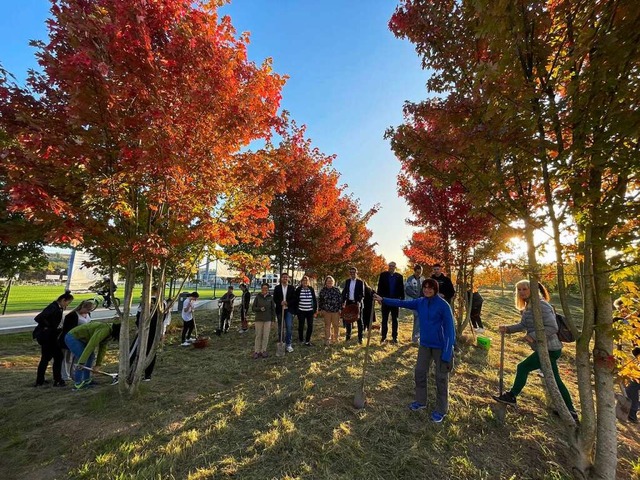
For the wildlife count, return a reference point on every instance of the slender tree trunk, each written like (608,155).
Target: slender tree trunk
(542,347)
(123,356)
(555,225)
(582,445)
(606,457)
(138,366)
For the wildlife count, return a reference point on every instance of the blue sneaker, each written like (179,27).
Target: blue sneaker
(437,417)
(415,406)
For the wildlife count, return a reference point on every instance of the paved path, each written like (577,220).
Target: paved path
(23,322)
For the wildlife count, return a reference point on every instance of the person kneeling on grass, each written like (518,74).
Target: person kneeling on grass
(265,309)
(532,362)
(437,338)
(83,340)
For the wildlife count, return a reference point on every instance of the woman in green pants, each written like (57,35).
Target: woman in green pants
(532,362)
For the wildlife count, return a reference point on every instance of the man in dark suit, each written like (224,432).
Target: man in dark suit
(284,298)
(353,292)
(390,285)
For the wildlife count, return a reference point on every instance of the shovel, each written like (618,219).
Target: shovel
(113,376)
(360,398)
(501,408)
(280,347)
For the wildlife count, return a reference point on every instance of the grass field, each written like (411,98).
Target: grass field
(216,413)
(31,298)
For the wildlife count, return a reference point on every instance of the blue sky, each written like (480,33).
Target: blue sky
(349,77)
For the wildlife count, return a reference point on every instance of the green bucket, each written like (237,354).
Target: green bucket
(484,342)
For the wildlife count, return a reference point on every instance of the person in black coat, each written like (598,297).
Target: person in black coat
(390,285)
(475,300)
(244,308)
(445,285)
(353,293)
(284,298)
(46,334)
(368,310)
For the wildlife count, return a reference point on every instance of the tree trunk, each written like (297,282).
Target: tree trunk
(541,347)
(138,365)
(606,457)
(123,356)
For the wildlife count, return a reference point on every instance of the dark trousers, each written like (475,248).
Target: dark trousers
(187,329)
(425,357)
(133,354)
(50,350)
(476,321)
(244,322)
(225,320)
(305,317)
(632,390)
(349,326)
(386,310)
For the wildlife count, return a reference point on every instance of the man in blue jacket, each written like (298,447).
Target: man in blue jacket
(437,338)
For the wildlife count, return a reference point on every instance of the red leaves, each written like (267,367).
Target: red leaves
(133,128)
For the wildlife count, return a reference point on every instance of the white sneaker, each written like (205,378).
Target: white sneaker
(479,330)
(185,344)
(191,340)
(240,330)
(289,348)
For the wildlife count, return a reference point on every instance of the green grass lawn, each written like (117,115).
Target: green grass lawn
(30,298)
(216,413)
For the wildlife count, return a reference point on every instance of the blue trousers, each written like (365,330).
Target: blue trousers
(288,326)
(77,348)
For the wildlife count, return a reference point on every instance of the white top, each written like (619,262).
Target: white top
(413,285)
(86,318)
(187,309)
(352,290)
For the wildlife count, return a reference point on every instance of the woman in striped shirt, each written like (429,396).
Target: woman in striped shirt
(307,306)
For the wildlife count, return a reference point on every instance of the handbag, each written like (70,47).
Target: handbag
(351,313)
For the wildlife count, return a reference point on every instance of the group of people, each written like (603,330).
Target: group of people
(75,342)
(429,299)
(288,301)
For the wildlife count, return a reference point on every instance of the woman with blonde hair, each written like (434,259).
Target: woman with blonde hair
(554,345)
(78,316)
(330,304)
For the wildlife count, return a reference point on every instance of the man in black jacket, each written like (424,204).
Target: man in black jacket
(390,285)
(245,304)
(353,293)
(284,298)
(445,285)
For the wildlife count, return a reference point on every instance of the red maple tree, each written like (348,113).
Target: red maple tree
(128,140)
